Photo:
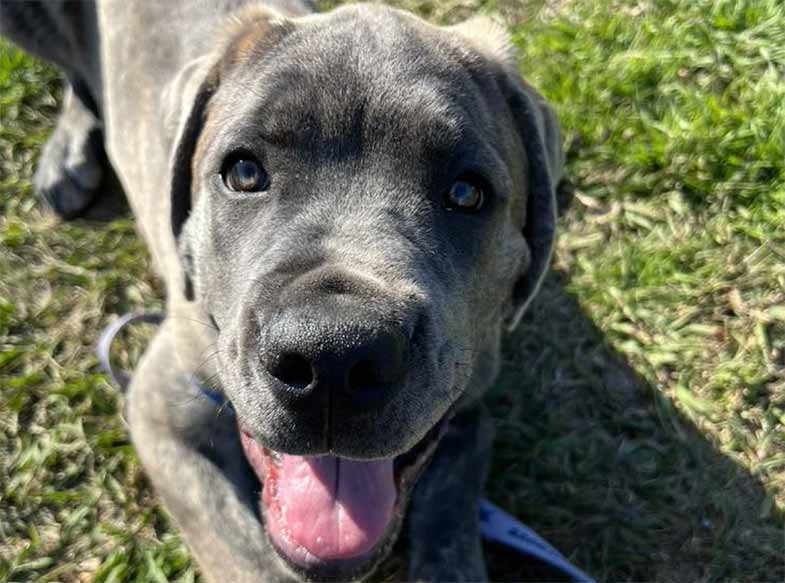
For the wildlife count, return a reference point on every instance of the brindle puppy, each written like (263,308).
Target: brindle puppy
(348,209)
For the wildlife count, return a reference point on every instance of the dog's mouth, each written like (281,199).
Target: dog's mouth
(333,517)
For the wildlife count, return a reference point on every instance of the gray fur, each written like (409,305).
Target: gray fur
(363,118)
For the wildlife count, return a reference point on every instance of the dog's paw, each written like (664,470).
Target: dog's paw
(70,169)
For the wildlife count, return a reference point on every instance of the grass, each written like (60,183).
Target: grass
(641,411)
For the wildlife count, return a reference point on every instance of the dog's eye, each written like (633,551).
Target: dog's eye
(464,196)
(245,175)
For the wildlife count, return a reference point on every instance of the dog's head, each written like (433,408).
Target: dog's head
(362,201)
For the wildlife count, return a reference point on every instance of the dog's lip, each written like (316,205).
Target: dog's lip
(407,469)
(404,462)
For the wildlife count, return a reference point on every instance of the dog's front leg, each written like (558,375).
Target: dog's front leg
(195,461)
(443,525)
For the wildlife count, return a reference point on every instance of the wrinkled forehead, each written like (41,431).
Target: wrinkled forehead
(354,82)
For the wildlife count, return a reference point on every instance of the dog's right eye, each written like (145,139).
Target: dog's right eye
(245,175)
(465,195)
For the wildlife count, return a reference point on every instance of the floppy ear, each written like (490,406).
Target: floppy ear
(187,97)
(184,109)
(540,136)
(247,37)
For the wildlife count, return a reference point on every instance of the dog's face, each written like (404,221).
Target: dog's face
(361,222)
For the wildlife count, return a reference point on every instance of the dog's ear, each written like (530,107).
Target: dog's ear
(538,129)
(247,37)
(184,106)
(541,137)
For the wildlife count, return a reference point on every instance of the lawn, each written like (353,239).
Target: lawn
(641,411)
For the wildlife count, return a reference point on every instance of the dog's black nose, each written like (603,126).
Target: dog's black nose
(321,356)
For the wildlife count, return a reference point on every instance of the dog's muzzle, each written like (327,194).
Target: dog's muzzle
(329,356)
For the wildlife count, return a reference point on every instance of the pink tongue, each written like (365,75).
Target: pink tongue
(334,508)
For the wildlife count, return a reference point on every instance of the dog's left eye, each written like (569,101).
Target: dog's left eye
(245,175)
(464,196)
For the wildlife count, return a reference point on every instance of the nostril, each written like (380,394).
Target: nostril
(363,377)
(378,367)
(292,369)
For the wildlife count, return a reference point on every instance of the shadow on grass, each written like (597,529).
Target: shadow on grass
(602,465)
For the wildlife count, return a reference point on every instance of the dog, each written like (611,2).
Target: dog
(348,210)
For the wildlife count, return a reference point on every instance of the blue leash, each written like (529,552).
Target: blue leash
(495,524)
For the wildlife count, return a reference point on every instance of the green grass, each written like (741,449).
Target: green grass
(641,412)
